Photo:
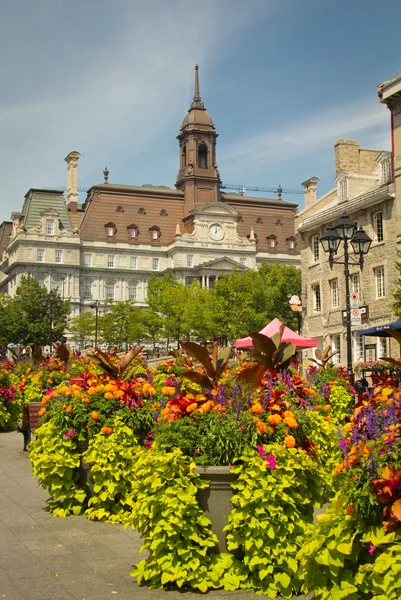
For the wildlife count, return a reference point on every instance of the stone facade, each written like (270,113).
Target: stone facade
(370,195)
(108,247)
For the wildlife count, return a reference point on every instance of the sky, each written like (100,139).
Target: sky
(282,80)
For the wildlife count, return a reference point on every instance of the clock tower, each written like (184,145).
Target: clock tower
(198,176)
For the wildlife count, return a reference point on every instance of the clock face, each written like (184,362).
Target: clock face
(216,231)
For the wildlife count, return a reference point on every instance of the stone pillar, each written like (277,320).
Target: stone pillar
(72,180)
(207,281)
(203,281)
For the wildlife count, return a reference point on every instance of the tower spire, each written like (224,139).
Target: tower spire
(197,100)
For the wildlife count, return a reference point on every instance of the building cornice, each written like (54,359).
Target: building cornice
(386,192)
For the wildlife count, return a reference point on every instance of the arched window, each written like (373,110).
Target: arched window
(155,233)
(292,243)
(202,156)
(133,231)
(110,229)
(272,241)
(184,156)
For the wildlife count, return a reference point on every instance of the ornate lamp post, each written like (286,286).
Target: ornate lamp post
(50,302)
(95,305)
(344,230)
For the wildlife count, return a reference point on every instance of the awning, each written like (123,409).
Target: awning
(288,336)
(380,330)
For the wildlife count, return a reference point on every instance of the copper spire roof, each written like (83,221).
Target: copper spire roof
(197,113)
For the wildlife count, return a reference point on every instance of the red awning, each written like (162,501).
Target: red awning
(288,336)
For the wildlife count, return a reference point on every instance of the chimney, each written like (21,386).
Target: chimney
(310,191)
(72,180)
(347,156)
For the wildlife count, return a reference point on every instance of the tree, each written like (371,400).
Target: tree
(167,297)
(153,325)
(82,328)
(121,325)
(6,320)
(30,317)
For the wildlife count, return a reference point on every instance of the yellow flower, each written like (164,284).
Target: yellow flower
(108,395)
(91,391)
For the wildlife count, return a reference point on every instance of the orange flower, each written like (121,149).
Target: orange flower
(192,407)
(349,510)
(274,419)
(109,396)
(45,400)
(94,415)
(67,376)
(289,441)
(327,407)
(68,409)
(262,427)
(256,409)
(91,391)
(291,422)
(106,430)
(289,414)
(41,412)
(87,426)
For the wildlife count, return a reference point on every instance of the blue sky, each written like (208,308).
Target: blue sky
(282,79)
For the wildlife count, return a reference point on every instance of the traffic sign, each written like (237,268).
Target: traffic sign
(354,300)
(356,317)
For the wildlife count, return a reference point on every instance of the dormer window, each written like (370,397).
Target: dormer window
(291,241)
(202,156)
(133,231)
(155,233)
(385,174)
(272,241)
(111,230)
(49,227)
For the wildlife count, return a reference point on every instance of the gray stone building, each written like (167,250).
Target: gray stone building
(368,190)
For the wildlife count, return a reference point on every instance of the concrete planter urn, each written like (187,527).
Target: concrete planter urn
(215,500)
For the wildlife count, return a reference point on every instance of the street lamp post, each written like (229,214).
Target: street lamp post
(95,305)
(50,302)
(344,230)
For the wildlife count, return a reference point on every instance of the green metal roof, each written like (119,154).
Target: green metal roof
(38,201)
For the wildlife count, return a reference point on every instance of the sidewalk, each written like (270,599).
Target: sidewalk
(49,558)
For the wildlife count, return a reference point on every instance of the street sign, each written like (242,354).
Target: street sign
(364,310)
(354,300)
(356,317)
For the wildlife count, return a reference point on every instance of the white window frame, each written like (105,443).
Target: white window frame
(385,174)
(336,345)
(359,348)
(334,293)
(316,298)
(291,244)
(111,261)
(380,282)
(155,264)
(133,232)
(111,231)
(40,255)
(87,260)
(50,227)
(381,347)
(133,263)
(87,290)
(378,226)
(190,260)
(110,291)
(132,291)
(315,248)
(343,189)
(355,283)
(155,234)
(59,257)
(242,261)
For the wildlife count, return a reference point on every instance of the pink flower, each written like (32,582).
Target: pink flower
(371,549)
(67,434)
(271,460)
(73,432)
(261,450)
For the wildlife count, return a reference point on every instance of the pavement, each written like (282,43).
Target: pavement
(49,558)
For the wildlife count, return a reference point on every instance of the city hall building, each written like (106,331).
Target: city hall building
(108,247)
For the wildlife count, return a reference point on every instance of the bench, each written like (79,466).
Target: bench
(30,421)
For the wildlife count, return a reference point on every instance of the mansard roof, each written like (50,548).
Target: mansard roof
(39,201)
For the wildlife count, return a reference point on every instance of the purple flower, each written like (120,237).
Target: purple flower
(261,450)
(271,460)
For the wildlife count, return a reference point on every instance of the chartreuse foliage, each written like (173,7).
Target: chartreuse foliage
(341,402)
(112,459)
(55,461)
(273,508)
(177,535)
(345,559)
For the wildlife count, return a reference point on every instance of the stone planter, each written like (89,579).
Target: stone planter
(215,500)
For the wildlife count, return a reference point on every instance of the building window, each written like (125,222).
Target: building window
(382,349)
(336,345)
(379,277)
(132,291)
(154,233)
(315,248)
(385,171)
(87,291)
(111,261)
(317,302)
(355,284)
(202,156)
(358,347)
(291,243)
(87,260)
(335,298)
(272,241)
(49,227)
(59,256)
(110,291)
(132,263)
(343,189)
(40,255)
(133,231)
(378,226)
(111,229)
(242,261)
(190,260)
(155,264)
